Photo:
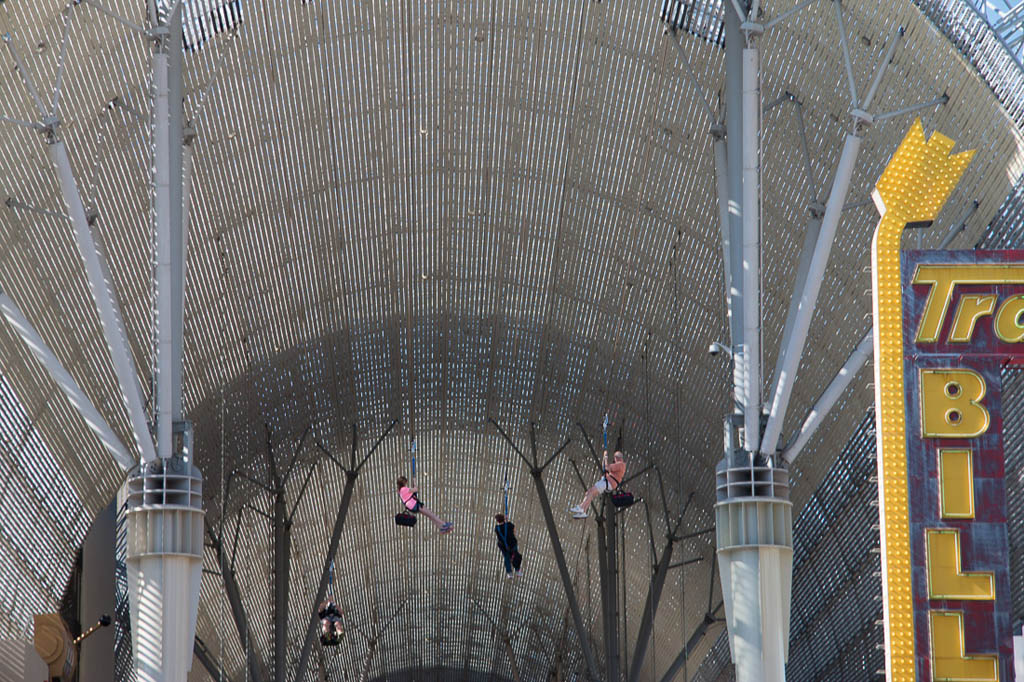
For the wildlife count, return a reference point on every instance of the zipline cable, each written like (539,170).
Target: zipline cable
(508,457)
(414,461)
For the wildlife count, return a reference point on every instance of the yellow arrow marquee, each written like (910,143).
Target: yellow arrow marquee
(912,190)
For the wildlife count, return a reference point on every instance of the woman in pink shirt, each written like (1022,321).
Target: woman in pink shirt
(413,504)
(613,475)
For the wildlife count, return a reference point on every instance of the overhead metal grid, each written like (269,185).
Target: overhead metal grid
(1013,446)
(836,582)
(1001,45)
(443,214)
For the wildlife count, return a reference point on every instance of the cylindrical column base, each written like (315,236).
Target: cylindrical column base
(164,562)
(754,529)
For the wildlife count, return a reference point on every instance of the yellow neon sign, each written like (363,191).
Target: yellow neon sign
(956,484)
(944,280)
(913,188)
(946,579)
(951,404)
(950,662)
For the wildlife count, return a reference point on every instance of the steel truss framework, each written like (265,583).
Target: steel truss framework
(437,216)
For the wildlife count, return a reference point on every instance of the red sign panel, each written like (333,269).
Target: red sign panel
(963,320)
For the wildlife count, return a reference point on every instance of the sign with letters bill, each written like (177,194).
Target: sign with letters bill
(946,323)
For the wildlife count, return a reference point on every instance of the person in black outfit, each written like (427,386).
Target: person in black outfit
(509,546)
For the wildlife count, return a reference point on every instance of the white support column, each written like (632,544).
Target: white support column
(76,396)
(753,512)
(165,515)
(124,366)
(165,563)
(178,226)
(722,185)
(169,169)
(180,274)
(749,357)
(164,415)
(734,198)
(754,529)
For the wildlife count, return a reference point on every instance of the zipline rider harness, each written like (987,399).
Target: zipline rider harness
(406,517)
(621,498)
(330,613)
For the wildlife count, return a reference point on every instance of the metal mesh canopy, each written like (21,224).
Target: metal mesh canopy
(441,213)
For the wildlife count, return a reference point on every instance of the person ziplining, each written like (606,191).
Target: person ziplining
(331,629)
(509,546)
(612,475)
(409,495)
(506,532)
(411,501)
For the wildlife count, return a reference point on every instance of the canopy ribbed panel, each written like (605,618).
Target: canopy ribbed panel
(441,213)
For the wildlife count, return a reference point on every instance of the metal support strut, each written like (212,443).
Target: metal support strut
(351,474)
(607,562)
(234,595)
(795,333)
(661,570)
(536,471)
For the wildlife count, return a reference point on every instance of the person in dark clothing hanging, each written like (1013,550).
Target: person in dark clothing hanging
(509,546)
(331,629)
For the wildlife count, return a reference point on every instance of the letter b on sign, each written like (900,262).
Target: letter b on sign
(951,403)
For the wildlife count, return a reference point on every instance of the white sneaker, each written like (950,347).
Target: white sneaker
(579,514)
(576,510)
(509,576)
(519,572)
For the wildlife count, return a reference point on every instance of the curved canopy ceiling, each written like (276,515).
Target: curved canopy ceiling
(442,213)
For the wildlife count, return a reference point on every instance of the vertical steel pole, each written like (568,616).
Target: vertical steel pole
(175,219)
(234,596)
(650,612)
(602,573)
(611,565)
(734,171)
(734,166)
(725,225)
(168,139)
(164,580)
(750,354)
(162,189)
(282,552)
(563,571)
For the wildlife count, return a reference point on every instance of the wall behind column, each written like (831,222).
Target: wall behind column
(96,663)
